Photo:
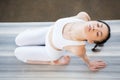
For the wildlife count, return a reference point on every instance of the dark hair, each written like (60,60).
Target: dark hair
(101,43)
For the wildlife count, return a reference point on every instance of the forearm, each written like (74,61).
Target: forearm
(80,52)
(85,59)
(92,65)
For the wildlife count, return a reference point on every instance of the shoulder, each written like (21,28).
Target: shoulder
(83,15)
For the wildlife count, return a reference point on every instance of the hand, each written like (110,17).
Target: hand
(96,65)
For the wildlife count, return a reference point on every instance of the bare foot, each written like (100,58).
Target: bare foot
(62,61)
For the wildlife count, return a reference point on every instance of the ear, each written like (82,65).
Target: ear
(90,41)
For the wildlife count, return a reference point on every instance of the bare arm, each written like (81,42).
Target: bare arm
(80,51)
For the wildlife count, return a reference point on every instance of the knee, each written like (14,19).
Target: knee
(19,40)
(19,55)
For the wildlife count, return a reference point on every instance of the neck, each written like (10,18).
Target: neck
(80,33)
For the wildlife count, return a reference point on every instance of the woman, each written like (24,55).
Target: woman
(65,34)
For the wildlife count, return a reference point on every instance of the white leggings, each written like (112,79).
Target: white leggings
(30,42)
(31,46)
(32,37)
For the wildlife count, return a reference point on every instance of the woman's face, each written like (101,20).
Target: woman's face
(95,31)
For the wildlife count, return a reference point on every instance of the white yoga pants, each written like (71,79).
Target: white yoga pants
(30,42)
(32,37)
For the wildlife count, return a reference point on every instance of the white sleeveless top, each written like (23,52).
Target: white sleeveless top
(58,40)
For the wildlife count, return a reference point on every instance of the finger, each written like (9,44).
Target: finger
(99,66)
(94,69)
(101,63)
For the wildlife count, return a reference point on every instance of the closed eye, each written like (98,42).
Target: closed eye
(99,34)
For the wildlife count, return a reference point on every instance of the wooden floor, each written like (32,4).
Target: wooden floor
(12,69)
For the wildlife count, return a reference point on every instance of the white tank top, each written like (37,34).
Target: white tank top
(58,40)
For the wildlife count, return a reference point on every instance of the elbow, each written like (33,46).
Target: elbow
(85,15)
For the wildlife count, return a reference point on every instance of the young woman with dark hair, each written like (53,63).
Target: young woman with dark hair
(69,34)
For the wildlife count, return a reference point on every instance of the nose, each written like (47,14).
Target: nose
(96,28)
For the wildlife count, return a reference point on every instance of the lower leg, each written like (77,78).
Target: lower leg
(38,55)
(37,62)
(62,61)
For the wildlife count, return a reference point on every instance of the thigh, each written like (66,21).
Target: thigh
(32,37)
(37,53)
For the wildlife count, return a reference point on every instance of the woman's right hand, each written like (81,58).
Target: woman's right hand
(96,65)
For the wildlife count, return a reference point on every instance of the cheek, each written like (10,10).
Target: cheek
(91,36)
